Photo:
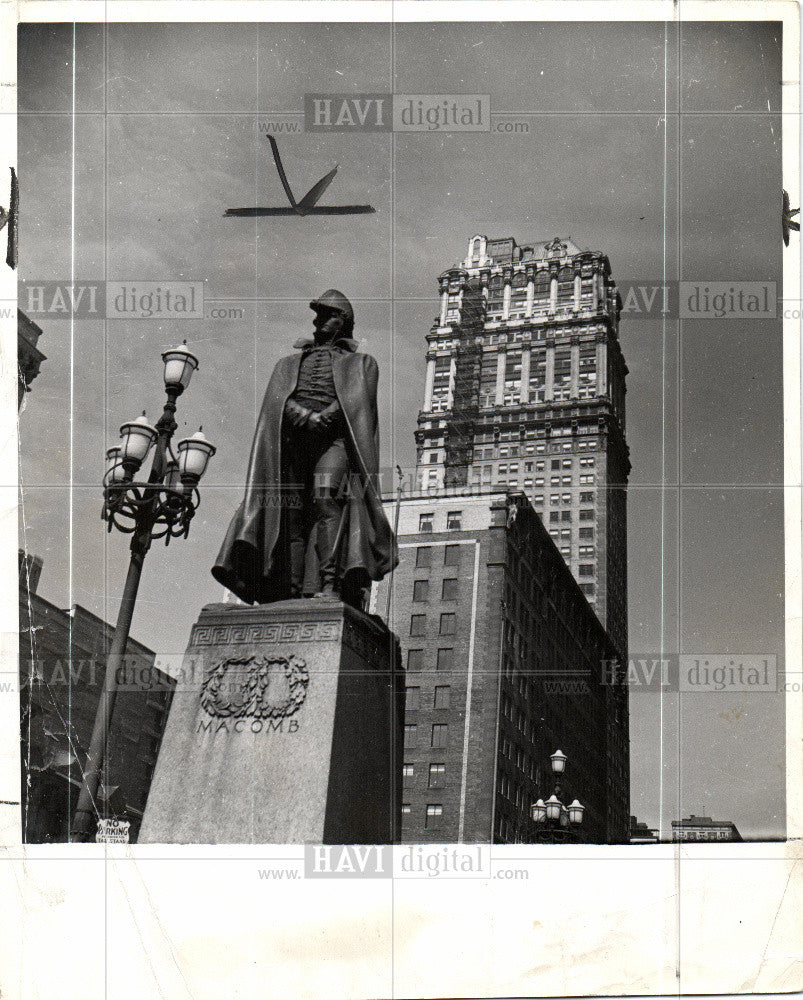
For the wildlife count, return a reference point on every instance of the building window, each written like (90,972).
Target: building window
(554,515)
(587,497)
(434,817)
(586,569)
(454,520)
(445,660)
(554,481)
(440,734)
(423,557)
(418,624)
(538,498)
(437,775)
(415,660)
(433,457)
(412,699)
(451,555)
(408,771)
(540,449)
(587,480)
(448,620)
(421,590)
(442,696)
(566,533)
(410,734)
(554,499)
(587,588)
(587,515)
(425,522)
(406,809)
(449,590)
(586,550)
(565,515)
(586,532)
(555,463)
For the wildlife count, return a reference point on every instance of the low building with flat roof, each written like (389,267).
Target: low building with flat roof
(703,828)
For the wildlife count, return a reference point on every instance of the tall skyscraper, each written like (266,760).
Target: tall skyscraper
(525,389)
(510,599)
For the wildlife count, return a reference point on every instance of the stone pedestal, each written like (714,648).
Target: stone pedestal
(285,727)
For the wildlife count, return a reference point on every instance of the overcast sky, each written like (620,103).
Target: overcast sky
(696,194)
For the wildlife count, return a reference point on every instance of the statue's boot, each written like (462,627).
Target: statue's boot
(332,511)
(297,565)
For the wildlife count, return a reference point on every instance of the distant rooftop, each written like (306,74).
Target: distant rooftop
(702,821)
(485,252)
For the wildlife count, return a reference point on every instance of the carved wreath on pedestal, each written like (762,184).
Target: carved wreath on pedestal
(265,687)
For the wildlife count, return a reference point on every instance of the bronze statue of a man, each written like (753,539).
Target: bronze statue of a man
(311,522)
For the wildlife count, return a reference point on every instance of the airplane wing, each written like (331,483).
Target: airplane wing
(250,213)
(315,192)
(282,175)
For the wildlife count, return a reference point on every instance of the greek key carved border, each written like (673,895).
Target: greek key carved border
(213,635)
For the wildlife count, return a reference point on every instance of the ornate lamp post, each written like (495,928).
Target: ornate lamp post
(161,507)
(555,822)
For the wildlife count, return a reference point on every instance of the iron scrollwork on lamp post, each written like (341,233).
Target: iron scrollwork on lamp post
(160,507)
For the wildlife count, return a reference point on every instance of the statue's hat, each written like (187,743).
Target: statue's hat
(333,299)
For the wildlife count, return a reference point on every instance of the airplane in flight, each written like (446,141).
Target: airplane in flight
(308,204)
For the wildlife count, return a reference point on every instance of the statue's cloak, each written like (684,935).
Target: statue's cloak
(252,562)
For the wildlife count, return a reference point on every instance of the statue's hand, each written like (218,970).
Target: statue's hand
(299,416)
(329,415)
(315,423)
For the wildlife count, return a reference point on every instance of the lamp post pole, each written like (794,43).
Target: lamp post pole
(162,507)
(87,797)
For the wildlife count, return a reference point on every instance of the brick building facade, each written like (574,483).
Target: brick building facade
(503,659)
(62,667)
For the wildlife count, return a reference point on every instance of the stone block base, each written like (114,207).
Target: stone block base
(285,727)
